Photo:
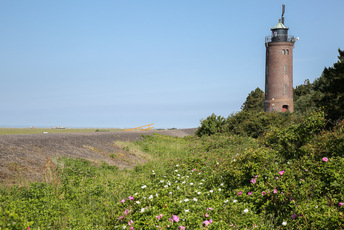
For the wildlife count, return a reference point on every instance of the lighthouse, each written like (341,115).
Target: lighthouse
(279,69)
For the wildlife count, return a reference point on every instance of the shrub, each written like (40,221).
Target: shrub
(211,125)
(289,140)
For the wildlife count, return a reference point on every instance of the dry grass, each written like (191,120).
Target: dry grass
(13,131)
(26,158)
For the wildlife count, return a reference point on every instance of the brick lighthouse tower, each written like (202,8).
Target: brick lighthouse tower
(279,69)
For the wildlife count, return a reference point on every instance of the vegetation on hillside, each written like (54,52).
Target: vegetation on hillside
(253,170)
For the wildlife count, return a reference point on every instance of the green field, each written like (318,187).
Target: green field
(11,131)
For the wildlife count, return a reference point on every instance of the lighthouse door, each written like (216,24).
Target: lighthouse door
(284,108)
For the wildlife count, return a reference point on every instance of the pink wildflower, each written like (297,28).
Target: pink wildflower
(275,190)
(276,178)
(122,201)
(159,217)
(130,222)
(131,198)
(263,193)
(341,204)
(206,215)
(239,193)
(325,159)
(120,218)
(211,209)
(126,212)
(294,216)
(253,181)
(175,218)
(132,228)
(182,227)
(249,193)
(255,176)
(206,222)
(281,172)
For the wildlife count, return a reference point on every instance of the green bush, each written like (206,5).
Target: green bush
(289,140)
(211,125)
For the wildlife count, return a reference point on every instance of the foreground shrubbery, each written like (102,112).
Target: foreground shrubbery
(289,179)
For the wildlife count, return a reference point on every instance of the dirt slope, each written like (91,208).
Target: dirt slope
(25,158)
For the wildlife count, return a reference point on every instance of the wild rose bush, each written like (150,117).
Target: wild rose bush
(214,182)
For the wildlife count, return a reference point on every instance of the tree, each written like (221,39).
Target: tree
(305,98)
(331,85)
(254,101)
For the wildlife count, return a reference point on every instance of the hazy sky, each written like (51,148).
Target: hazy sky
(126,63)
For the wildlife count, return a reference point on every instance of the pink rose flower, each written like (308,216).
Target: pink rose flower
(175,218)
(281,172)
(206,222)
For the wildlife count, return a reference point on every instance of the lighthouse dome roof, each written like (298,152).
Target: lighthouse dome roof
(279,25)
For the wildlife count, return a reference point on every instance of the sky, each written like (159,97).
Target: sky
(127,63)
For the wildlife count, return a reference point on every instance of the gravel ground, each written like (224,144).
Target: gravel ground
(25,158)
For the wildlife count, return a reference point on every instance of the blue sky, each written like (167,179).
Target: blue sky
(126,63)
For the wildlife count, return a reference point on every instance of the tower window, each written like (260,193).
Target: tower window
(285,89)
(285,69)
(283,51)
(287,51)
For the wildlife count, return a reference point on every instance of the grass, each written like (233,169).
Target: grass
(11,131)
(187,183)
